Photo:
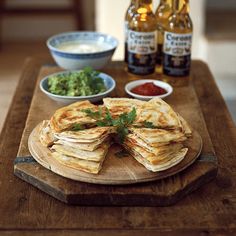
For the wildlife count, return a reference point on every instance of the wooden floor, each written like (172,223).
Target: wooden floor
(12,56)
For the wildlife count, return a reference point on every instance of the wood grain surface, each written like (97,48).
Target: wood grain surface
(115,170)
(211,210)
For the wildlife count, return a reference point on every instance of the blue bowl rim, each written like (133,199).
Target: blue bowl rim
(76,97)
(78,32)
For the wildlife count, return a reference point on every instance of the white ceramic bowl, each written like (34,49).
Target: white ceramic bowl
(77,61)
(108,81)
(135,83)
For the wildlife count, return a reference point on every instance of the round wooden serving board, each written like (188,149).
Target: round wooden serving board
(115,170)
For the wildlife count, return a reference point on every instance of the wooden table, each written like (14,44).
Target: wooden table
(211,210)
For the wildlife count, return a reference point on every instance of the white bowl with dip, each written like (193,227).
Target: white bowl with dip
(76,50)
(133,84)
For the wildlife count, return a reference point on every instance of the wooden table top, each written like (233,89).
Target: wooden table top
(211,210)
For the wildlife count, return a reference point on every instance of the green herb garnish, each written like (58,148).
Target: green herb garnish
(148,124)
(121,123)
(96,115)
(77,127)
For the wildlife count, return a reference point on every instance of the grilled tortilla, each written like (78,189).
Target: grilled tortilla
(96,155)
(170,161)
(136,142)
(158,155)
(46,136)
(185,126)
(78,164)
(66,117)
(86,136)
(117,106)
(158,137)
(82,146)
(159,113)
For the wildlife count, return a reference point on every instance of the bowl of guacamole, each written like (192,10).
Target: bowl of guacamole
(71,86)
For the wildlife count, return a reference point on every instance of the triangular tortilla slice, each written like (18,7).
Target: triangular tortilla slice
(117,106)
(159,113)
(46,135)
(82,146)
(96,155)
(138,143)
(160,154)
(78,164)
(158,137)
(173,160)
(85,136)
(186,128)
(66,117)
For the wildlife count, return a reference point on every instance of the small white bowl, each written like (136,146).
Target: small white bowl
(133,84)
(77,61)
(108,81)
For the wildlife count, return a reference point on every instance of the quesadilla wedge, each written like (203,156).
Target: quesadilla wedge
(96,155)
(158,156)
(172,160)
(117,106)
(86,136)
(78,164)
(186,128)
(82,146)
(138,143)
(46,135)
(158,137)
(159,113)
(66,117)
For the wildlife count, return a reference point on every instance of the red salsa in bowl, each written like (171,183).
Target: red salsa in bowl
(148,89)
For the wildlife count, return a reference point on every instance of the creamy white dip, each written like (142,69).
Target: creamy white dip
(83,47)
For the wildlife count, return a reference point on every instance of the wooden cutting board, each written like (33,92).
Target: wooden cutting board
(156,193)
(115,170)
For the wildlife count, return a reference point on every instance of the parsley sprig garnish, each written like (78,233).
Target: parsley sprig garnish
(77,127)
(121,123)
(148,124)
(96,115)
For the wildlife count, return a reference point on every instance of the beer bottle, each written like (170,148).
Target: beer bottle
(162,14)
(178,40)
(128,15)
(142,39)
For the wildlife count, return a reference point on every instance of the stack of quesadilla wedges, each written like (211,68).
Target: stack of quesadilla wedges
(82,149)
(157,148)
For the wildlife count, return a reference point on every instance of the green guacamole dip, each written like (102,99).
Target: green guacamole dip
(83,83)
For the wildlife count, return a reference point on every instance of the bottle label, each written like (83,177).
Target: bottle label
(177,54)
(142,42)
(142,49)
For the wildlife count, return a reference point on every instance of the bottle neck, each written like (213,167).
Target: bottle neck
(166,2)
(144,6)
(180,6)
(185,8)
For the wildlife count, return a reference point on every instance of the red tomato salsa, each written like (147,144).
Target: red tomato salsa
(148,89)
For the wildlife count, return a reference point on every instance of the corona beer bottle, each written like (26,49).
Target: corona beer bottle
(162,14)
(178,40)
(142,39)
(128,15)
